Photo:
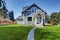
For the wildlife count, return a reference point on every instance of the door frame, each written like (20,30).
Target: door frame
(36,20)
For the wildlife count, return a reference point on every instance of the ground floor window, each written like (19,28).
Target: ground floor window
(29,18)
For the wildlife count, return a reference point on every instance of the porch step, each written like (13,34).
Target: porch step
(39,25)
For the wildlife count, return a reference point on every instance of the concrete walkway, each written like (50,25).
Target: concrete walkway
(31,34)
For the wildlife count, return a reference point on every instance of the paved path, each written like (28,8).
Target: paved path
(31,34)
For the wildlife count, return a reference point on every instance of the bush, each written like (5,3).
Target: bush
(55,18)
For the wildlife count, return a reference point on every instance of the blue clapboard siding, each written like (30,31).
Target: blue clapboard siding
(27,13)
(31,10)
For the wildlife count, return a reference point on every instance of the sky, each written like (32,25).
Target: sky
(49,6)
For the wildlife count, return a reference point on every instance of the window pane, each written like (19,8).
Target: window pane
(33,10)
(29,18)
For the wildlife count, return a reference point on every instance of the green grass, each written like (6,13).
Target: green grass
(14,32)
(9,25)
(47,33)
(20,32)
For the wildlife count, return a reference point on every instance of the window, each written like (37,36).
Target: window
(29,18)
(33,10)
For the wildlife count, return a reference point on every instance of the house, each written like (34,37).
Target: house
(32,15)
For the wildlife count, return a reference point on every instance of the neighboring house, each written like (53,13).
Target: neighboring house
(20,20)
(32,15)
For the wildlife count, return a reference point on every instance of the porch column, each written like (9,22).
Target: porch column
(43,19)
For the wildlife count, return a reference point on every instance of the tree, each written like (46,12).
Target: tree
(11,15)
(47,18)
(55,18)
(59,17)
(2,7)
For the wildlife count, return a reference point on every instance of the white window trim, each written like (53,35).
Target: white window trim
(29,21)
(34,10)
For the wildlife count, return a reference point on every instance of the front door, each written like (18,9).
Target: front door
(38,20)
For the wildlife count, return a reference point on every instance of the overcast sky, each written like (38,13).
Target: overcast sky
(47,5)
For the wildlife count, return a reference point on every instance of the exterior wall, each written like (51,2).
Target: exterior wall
(27,22)
(19,22)
(34,19)
(29,13)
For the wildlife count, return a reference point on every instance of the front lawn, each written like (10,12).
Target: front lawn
(14,32)
(47,33)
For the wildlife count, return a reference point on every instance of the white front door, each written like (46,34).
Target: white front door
(38,20)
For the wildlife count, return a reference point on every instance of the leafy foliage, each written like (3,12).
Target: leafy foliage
(11,15)
(3,7)
(47,18)
(55,18)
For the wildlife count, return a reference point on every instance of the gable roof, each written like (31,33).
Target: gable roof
(24,8)
(32,6)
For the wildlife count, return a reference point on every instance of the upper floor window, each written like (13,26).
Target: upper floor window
(33,9)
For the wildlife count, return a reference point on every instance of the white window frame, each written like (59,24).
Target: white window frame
(34,9)
(27,19)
